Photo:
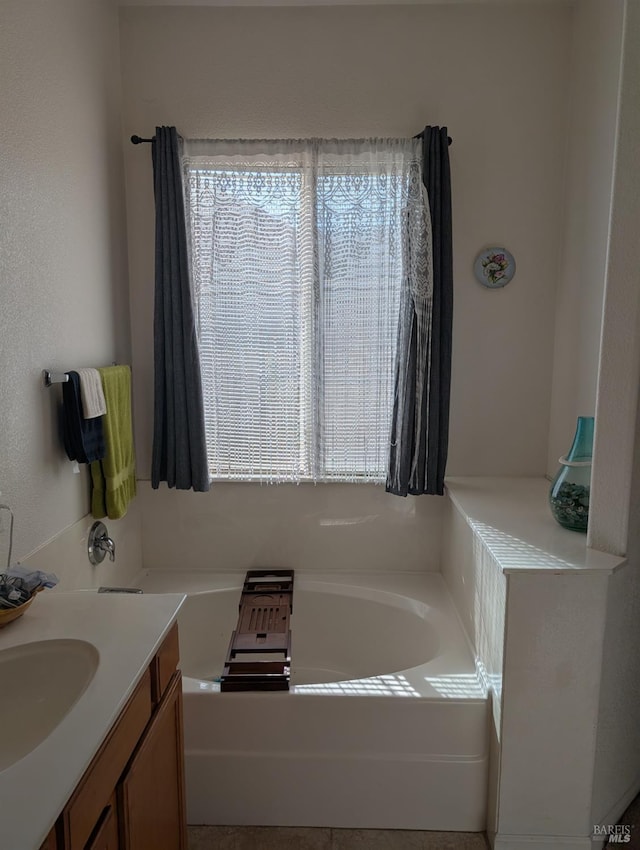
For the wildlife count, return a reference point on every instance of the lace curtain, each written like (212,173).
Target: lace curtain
(310,261)
(420,421)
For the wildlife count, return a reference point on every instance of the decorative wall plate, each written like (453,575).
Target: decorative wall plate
(494,267)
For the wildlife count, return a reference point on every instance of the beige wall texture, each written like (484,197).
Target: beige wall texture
(595,77)
(611,519)
(63,272)
(496,75)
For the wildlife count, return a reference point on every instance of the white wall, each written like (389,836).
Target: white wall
(550,688)
(595,72)
(496,75)
(617,772)
(617,764)
(619,373)
(616,475)
(62,242)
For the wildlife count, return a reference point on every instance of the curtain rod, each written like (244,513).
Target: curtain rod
(137,140)
(420,135)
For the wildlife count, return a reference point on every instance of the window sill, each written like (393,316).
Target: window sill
(244,479)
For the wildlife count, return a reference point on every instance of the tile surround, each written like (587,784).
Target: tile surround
(66,554)
(309,527)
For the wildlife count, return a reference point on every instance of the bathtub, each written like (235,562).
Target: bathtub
(385,725)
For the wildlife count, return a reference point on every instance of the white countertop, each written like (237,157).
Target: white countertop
(126,629)
(512,518)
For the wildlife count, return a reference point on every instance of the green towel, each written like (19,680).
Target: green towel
(114,478)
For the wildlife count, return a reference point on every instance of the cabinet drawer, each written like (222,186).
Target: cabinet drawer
(164,664)
(96,787)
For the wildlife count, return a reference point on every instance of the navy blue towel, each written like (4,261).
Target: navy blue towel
(83,438)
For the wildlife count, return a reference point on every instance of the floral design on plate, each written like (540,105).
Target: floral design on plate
(494,267)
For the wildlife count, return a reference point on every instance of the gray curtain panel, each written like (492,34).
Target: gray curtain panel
(420,437)
(179,447)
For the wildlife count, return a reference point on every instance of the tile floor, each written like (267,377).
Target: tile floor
(300,838)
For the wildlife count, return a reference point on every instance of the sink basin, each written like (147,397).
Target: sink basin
(39,684)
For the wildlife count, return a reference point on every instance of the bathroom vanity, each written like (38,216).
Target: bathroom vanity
(109,775)
(134,787)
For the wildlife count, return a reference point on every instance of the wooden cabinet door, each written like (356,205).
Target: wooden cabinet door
(50,841)
(164,664)
(152,807)
(105,836)
(94,792)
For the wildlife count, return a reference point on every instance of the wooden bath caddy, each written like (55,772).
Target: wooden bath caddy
(259,655)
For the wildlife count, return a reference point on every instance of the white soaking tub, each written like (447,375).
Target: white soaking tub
(385,725)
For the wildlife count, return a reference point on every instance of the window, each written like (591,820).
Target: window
(299,255)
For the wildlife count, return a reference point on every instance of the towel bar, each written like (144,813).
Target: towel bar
(50,377)
(54,377)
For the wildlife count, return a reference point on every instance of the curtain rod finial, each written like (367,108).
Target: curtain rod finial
(138,140)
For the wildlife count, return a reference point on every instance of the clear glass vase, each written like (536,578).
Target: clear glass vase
(569,495)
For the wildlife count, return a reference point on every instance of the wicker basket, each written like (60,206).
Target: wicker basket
(8,615)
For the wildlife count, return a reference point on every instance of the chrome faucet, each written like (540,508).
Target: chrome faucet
(100,544)
(107,545)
